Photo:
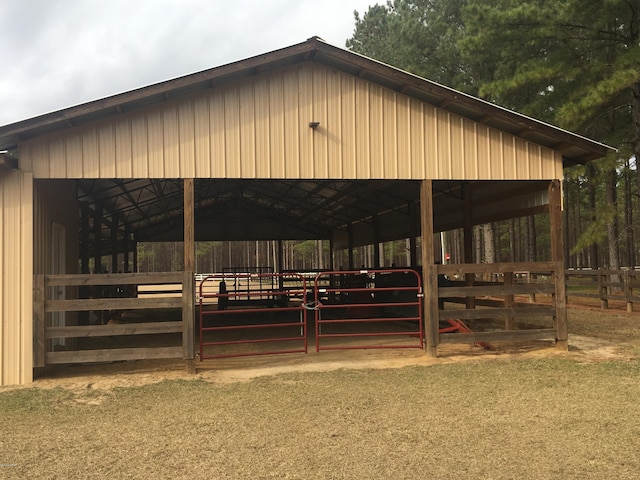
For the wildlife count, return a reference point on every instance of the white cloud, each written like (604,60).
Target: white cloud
(58,53)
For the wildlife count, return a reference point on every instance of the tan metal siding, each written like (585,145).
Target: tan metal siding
(259,128)
(16,279)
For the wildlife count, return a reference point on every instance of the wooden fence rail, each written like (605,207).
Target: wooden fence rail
(605,285)
(490,296)
(79,296)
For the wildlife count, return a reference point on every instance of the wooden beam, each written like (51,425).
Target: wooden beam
(502,336)
(144,328)
(113,355)
(188,287)
(557,257)
(429,271)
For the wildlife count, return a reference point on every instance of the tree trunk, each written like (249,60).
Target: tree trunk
(592,183)
(628,217)
(612,224)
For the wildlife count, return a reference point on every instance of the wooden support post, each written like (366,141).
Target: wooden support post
(628,289)
(557,257)
(429,270)
(188,287)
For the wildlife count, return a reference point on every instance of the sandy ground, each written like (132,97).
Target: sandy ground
(240,369)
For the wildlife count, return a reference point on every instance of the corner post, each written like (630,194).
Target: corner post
(557,257)
(188,287)
(429,270)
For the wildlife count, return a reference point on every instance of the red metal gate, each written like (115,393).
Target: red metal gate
(238,314)
(381,307)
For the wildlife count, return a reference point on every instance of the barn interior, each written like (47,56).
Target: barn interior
(114,215)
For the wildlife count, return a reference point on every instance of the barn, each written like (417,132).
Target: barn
(307,142)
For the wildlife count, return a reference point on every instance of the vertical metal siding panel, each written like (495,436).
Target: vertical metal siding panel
(4,299)
(291,126)
(232,133)
(470,151)
(186,139)
(535,161)
(553,165)
(217,135)
(389,135)
(202,140)
(26,280)
(306,115)
(73,147)
(155,131)
(276,126)
(57,158)
(25,155)
(432,159)
(40,157)
(11,240)
(522,159)
(403,138)
(320,114)
(334,127)
(496,157)
(262,143)
(509,156)
(107,151)
(444,143)
(124,143)
(458,159)
(484,161)
(377,139)
(90,154)
(418,136)
(139,147)
(348,127)
(363,131)
(171,142)
(247,131)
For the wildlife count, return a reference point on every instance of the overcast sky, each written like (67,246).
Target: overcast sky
(59,53)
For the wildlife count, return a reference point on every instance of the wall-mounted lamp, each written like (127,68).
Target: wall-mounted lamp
(314,125)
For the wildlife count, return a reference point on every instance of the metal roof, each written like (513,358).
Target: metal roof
(574,148)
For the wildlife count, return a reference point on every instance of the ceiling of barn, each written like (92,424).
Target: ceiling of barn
(297,209)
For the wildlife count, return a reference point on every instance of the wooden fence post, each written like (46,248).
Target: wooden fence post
(602,290)
(188,293)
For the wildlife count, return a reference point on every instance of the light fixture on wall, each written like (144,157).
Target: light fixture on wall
(314,125)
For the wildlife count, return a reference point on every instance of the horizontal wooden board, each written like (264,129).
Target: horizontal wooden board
(112,304)
(114,279)
(529,267)
(499,336)
(496,290)
(113,355)
(111,330)
(533,311)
